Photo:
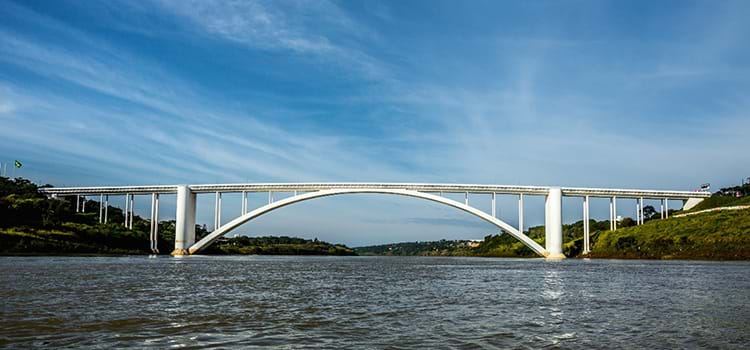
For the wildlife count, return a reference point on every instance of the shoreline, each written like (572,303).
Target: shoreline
(94,255)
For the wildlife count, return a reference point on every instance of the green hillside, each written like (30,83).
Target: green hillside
(720,235)
(720,201)
(713,235)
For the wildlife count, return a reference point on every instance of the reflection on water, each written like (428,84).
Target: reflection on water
(371,302)
(552,292)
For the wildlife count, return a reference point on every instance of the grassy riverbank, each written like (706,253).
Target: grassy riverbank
(719,235)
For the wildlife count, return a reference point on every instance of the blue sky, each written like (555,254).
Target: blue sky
(629,94)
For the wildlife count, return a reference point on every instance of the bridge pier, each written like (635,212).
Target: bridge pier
(553,224)
(184,235)
(586,226)
(520,212)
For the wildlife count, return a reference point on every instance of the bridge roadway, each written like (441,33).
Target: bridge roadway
(186,198)
(421,187)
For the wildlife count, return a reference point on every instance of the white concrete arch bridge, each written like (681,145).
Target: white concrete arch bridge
(185,243)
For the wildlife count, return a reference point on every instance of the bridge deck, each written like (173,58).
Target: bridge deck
(421,187)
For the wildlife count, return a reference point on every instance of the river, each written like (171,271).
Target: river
(371,302)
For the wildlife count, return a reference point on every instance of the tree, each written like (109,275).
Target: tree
(626,222)
(649,212)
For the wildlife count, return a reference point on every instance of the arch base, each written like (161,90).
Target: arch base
(179,252)
(557,256)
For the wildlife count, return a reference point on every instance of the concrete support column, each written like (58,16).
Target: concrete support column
(586,228)
(78,203)
(126,211)
(553,224)
(185,221)
(494,206)
(106,207)
(637,213)
(101,208)
(132,211)
(666,208)
(83,205)
(614,212)
(661,209)
(154,237)
(217,211)
(244,202)
(520,212)
(611,214)
(466,198)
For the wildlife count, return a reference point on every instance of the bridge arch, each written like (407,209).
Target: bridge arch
(206,241)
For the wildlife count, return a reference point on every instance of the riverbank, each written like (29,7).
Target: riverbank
(110,240)
(716,235)
(712,235)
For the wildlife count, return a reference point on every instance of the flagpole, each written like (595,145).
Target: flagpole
(16,164)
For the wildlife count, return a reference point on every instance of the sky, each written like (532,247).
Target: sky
(626,94)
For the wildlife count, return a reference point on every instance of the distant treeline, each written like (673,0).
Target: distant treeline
(435,248)
(734,191)
(271,245)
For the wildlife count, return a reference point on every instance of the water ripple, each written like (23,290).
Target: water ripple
(371,302)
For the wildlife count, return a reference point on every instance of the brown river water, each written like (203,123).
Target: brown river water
(292,302)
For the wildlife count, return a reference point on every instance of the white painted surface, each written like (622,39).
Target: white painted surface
(553,224)
(197,247)
(185,220)
(690,203)
(421,187)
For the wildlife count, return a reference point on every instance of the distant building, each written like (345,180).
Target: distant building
(747,181)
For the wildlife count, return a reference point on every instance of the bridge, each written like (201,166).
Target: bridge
(185,243)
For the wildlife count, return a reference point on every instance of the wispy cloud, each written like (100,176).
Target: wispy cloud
(318,29)
(6,106)
(200,140)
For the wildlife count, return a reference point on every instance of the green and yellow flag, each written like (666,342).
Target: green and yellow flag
(18,164)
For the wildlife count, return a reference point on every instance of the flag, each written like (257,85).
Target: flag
(18,164)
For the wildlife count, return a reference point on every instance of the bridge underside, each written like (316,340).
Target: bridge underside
(185,234)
